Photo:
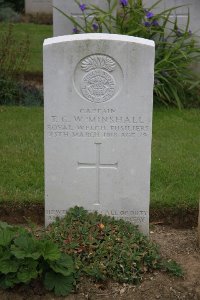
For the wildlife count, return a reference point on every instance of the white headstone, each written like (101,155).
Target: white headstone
(98,92)
(38,6)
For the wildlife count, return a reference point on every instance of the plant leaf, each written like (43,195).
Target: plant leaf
(50,251)
(6,236)
(25,246)
(61,285)
(8,281)
(8,266)
(64,265)
(27,271)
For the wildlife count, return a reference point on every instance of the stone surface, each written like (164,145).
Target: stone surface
(98,92)
(38,6)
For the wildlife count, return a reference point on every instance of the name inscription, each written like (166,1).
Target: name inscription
(93,123)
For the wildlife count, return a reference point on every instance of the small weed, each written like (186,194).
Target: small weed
(173,268)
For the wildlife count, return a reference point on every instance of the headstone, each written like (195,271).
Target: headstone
(38,6)
(98,92)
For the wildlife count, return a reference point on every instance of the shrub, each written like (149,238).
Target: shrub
(17,6)
(7,14)
(24,258)
(176,48)
(30,95)
(103,247)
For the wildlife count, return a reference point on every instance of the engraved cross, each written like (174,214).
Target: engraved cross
(97,165)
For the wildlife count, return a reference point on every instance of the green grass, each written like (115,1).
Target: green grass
(36,34)
(21,154)
(175,179)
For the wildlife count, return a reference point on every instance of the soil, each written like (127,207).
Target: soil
(178,244)
(21,213)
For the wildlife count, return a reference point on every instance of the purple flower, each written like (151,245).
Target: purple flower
(190,32)
(147,24)
(155,23)
(75,30)
(149,15)
(82,7)
(95,26)
(124,2)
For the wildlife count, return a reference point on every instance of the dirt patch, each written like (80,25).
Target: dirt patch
(37,18)
(20,213)
(178,244)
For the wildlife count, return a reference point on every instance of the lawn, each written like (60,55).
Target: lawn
(36,34)
(175,178)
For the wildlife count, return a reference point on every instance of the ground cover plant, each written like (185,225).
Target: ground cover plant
(175,172)
(23,258)
(106,248)
(176,47)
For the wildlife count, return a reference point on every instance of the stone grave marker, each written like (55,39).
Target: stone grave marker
(98,92)
(38,6)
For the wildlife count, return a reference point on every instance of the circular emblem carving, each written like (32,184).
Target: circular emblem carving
(98,86)
(95,78)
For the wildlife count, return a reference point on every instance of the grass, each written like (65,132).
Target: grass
(175,173)
(36,34)
(175,157)
(21,154)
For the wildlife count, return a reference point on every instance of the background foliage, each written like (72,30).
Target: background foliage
(14,55)
(176,48)
(17,5)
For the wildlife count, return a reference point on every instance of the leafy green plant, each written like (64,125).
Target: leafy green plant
(24,258)
(103,247)
(176,48)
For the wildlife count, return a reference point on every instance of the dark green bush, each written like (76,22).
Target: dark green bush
(16,5)
(7,14)
(103,247)
(23,258)
(176,48)
(30,95)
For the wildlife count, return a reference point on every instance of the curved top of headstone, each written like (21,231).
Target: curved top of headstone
(98,36)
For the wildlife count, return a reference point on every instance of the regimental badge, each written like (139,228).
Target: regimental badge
(98,84)
(99,78)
